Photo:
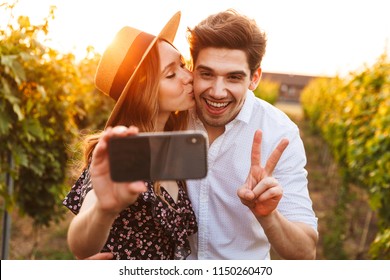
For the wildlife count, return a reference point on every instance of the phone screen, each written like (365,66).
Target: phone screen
(161,156)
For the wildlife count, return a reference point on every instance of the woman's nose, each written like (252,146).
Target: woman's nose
(188,78)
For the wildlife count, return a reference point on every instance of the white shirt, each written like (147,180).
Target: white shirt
(226,228)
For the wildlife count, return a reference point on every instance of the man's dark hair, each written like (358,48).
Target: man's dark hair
(230,30)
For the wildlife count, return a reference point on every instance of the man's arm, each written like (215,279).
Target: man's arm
(261,193)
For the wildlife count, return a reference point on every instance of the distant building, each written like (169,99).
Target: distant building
(291,85)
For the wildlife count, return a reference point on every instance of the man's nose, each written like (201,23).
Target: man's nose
(219,88)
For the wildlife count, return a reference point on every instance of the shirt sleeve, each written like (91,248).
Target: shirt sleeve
(74,199)
(295,204)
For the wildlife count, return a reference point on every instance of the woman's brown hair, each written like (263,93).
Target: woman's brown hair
(140,107)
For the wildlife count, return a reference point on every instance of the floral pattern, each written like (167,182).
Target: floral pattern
(148,229)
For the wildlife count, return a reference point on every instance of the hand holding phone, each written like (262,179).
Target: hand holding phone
(158,156)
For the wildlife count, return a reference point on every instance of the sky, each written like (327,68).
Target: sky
(309,37)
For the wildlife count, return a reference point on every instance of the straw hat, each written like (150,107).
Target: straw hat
(121,60)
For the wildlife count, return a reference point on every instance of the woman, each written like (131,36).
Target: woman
(147,77)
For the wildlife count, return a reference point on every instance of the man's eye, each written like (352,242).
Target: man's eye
(205,74)
(235,77)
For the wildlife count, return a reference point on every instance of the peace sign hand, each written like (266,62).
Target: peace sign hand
(262,192)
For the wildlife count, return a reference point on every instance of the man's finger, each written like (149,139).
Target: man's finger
(245,194)
(256,148)
(101,256)
(275,156)
(264,185)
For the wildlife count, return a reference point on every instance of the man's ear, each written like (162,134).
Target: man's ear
(255,79)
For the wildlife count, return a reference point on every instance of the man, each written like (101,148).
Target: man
(255,194)
(272,207)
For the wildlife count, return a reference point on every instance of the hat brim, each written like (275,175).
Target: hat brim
(168,34)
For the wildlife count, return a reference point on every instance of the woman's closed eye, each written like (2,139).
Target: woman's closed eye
(171,75)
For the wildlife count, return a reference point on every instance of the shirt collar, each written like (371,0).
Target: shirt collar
(246,111)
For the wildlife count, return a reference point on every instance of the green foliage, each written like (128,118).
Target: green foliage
(45,98)
(353,116)
(380,248)
(268,91)
(333,241)
(92,106)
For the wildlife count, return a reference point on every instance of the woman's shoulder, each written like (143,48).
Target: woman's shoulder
(75,197)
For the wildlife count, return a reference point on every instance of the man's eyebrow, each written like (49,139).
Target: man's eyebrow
(203,67)
(238,72)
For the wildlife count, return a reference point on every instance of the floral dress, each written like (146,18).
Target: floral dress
(149,228)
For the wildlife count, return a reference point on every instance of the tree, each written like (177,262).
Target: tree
(268,91)
(43,104)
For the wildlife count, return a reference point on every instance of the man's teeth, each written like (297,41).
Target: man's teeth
(217,104)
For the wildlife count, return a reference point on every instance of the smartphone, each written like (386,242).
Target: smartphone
(155,156)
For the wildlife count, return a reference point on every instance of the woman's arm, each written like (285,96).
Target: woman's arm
(89,230)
